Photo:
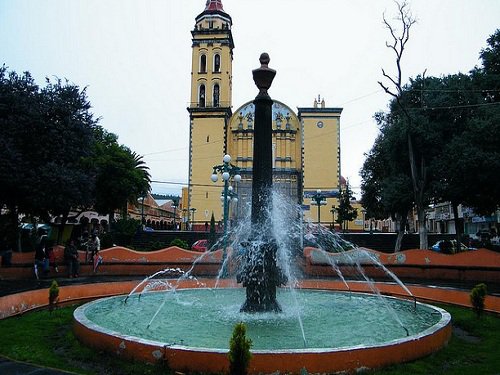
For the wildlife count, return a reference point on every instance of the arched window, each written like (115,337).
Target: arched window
(216,95)
(203,63)
(216,62)
(201,96)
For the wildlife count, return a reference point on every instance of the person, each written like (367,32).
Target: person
(84,244)
(41,259)
(206,226)
(94,245)
(6,251)
(71,257)
(51,255)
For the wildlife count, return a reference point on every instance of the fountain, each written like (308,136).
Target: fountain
(260,274)
(314,328)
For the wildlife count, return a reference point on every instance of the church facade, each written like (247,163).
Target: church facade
(306,142)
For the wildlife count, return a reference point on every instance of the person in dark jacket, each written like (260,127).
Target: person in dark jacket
(41,258)
(71,257)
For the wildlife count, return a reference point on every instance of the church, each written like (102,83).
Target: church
(305,143)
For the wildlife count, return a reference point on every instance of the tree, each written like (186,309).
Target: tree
(417,159)
(450,123)
(449,103)
(55,157)
(490,57)
(386,182)
(481,138)
(372,173)
(19,117)
(66,141)
(45,135)
(121,175)
(345,210)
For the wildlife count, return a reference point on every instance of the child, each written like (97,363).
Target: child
(52,258)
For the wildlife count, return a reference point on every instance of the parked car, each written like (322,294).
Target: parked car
(450,247)
(200,245)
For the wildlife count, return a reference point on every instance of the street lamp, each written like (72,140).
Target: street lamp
(193,210)
(142,213)
(333,216)
(227,171)
(231,197)
(185,217)
(318,200)
(174,206)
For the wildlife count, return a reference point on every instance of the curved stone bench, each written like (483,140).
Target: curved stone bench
(122,261)
(480,265)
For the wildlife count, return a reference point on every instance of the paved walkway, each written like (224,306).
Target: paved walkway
(10,367)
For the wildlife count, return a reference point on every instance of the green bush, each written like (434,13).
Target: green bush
(106,240)
(156,245)
(53,295)
(239,351)
(477,296)
(122,233)
(179,243)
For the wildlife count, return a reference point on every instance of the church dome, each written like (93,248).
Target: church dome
(284,118)
(214,8)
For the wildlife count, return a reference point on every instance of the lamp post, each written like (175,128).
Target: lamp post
(231,197)
(142,213)
(185,217)
(174,206)
(227,171)
(333,216)
(318,200)
(193,210)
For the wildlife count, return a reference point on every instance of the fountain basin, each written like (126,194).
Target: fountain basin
(286,353)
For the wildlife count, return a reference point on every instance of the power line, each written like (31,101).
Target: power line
(183,148)
(456,90)
(456,106)
(361,97)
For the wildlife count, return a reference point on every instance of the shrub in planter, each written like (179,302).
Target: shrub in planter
(239,351)
(477,296)
(53,295)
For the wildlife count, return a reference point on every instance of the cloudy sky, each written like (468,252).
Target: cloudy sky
(134,57)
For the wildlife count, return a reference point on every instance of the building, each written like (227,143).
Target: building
(306,143)
(153,214)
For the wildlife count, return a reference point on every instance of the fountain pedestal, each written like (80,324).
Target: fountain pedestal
(260,274)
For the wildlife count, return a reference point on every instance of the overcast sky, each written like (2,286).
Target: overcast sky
(135,58)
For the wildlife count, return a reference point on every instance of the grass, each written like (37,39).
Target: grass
(46,339)
(473,348)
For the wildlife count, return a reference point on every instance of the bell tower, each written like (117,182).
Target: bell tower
(209,108)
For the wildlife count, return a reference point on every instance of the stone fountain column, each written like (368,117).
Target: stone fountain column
(261,274)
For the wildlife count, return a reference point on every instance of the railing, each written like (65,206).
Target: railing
(210,104)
